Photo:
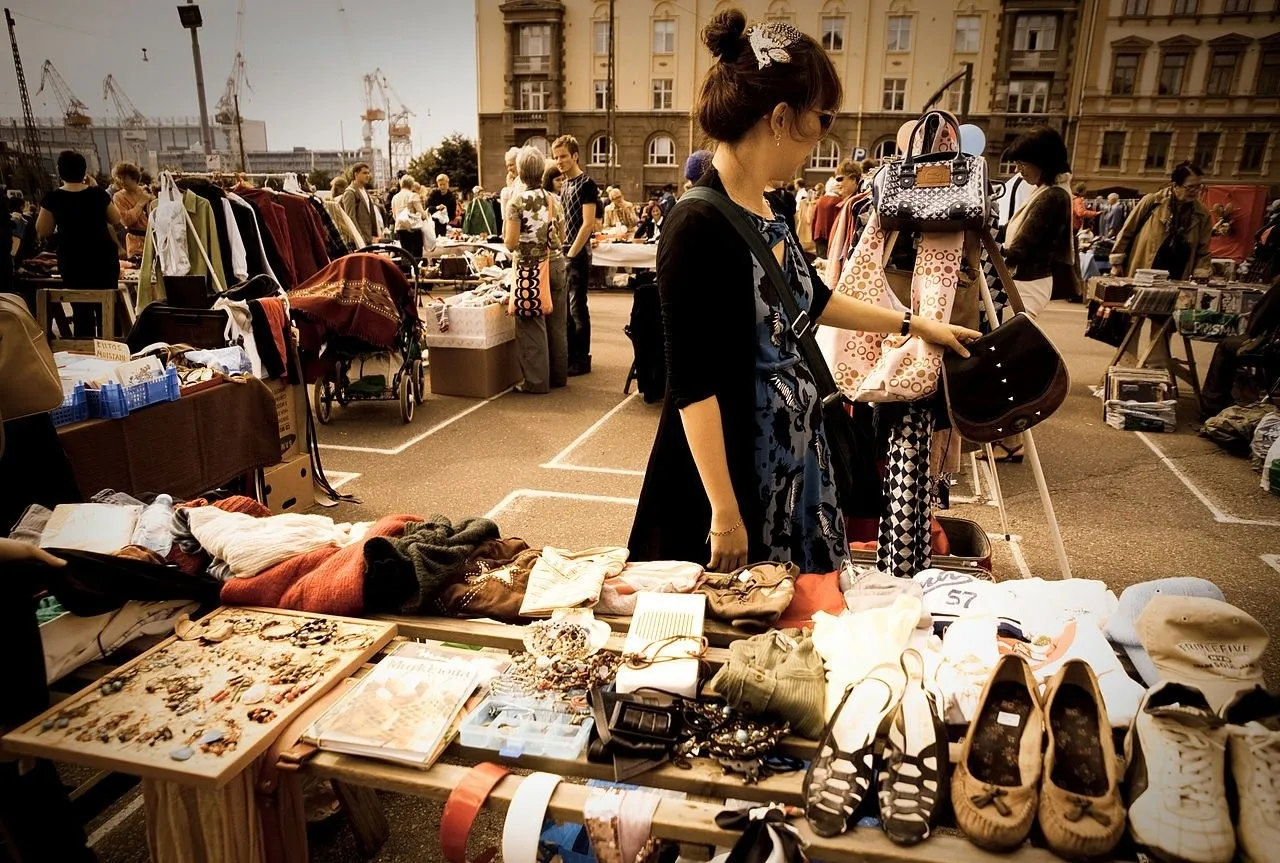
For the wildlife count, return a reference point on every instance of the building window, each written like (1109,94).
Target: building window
(540,144)
(1269,74)
(1158,144)
(899,33)
(601,151)
(1236,6)
(826,156)
(534,95)
(1124,74)
(955,100)
(662,151)
(1008,167)
(895,94)
(534,54)
(663,94)
(886,149)
(1185,7)
(1112,150)
(833,33)
(1173,68)
(1253,152)
(1035,33)
(664,37)
(1206,153)
(601,94)
(1222,73)
(600,38)
(1135,7)
(1028,97)
(968,34)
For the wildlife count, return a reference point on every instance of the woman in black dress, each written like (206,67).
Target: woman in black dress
(740,469)
(88,241)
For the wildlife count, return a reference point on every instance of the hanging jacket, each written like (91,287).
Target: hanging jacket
(478,219)
(201,230)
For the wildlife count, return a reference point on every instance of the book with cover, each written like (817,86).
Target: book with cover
(403,710)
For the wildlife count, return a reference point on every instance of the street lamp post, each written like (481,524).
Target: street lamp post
(189,15)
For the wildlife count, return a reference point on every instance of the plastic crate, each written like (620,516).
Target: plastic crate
(116,402)
(527,726)
(74,408)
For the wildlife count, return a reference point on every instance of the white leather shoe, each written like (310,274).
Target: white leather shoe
(1253,733)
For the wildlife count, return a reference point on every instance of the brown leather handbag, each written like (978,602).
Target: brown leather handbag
(1013,378)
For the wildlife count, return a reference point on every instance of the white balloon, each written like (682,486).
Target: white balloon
(973,141)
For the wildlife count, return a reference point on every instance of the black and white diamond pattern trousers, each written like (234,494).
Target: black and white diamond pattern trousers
(905,543)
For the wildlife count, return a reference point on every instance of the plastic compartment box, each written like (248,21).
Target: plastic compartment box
(527,726)
(74,408)
(115,402)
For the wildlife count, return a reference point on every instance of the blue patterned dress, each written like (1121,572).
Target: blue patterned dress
(802,520)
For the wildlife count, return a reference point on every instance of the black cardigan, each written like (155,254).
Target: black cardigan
(1045,245)
(709,323)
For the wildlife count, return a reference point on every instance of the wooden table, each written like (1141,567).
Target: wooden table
(1158,351)
(684,821)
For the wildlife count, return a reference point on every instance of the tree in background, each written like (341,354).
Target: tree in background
(456,156)
(319,178)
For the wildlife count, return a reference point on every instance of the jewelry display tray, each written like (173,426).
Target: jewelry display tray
(515,726)
(195,659)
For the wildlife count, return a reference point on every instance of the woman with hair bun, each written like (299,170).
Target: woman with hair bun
(740,469)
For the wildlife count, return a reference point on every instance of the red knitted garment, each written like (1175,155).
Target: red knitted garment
(325,581)
(814,593)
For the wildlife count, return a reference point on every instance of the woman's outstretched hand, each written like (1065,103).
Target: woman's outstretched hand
(947,335)
(12,551)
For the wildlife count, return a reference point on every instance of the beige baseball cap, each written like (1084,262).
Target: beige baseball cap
(1205,643)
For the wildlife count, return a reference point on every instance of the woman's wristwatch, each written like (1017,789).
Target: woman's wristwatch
(906,325)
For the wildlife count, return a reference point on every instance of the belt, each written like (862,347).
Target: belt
(461,808)
(523,828)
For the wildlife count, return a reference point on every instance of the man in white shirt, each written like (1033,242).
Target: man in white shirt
(802,191)
(357,204)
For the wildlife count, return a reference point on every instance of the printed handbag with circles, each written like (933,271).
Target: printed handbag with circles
(531,297)
(934,191)
(874,367)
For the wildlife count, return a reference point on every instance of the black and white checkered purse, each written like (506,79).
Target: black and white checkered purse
(943,191)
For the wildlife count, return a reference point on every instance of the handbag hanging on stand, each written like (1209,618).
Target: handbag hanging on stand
(940,191)
(853,468)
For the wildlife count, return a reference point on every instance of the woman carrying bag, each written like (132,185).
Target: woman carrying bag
(1038,244)
(534,230)
(741,468)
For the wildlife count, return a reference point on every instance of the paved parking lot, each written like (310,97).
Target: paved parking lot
(564,469)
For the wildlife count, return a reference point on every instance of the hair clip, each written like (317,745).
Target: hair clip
(769,42)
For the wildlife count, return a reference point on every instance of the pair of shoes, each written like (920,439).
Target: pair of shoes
(1004,454)
(580,368)
(1005,780)
(1177,749)
(905,731)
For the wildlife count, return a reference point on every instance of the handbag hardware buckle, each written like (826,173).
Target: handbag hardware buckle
(802,325)
(831,397)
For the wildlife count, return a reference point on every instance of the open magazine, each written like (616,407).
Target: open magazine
(406,709)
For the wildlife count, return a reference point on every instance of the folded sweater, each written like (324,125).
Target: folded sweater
(249,545)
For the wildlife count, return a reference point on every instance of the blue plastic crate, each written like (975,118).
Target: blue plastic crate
(115,402)
(74,408)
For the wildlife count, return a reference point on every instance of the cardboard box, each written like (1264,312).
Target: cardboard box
(470,327)
(291,403)
(475,373)
(286,487)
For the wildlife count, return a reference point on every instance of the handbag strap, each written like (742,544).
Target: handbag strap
(1002,270)
(801,325)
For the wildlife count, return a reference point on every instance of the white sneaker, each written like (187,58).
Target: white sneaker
(1253,732)
(1176,750)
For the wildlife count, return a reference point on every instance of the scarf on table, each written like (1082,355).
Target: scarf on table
(249,545)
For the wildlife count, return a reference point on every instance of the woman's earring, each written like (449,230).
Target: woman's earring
(777,140)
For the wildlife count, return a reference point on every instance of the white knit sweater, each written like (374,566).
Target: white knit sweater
(250,545)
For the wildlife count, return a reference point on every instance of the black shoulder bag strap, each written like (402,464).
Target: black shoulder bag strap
(802,327)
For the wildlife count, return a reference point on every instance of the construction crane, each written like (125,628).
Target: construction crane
(399,132)
(129,115)
(31,136)
(74,112)
(227,111)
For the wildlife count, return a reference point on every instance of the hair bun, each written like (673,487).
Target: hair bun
(724,35)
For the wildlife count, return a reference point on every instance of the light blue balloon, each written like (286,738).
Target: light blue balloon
(973,141)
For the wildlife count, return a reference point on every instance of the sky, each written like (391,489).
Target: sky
(305,61)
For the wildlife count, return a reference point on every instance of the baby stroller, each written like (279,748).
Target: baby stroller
(359,308)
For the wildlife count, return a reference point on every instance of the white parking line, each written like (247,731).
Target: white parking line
(339,478)
(116,820)
(1272,560)
(1219,515)
(557,495)
(557,461)
(420,438)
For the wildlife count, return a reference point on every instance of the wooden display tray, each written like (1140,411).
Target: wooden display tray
(202,769)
